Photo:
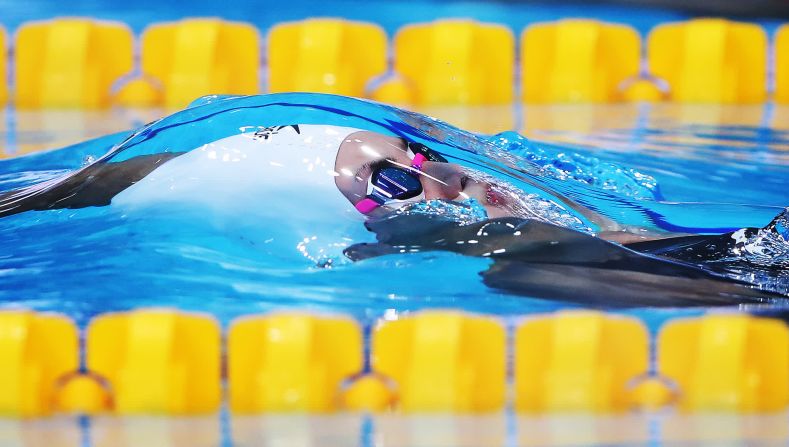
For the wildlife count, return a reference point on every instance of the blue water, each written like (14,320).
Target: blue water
(228,251)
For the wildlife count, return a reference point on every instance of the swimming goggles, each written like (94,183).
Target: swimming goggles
(395,185)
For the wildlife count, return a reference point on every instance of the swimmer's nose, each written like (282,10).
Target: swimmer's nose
(441,180)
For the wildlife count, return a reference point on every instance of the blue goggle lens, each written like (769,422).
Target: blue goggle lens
(397,182)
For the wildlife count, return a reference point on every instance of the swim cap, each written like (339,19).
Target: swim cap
(263,175)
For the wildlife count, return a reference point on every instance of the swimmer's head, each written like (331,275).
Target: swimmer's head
(364,154)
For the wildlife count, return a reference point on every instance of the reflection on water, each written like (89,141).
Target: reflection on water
(439,430)
(584,123)
(575,120)
(395,430)
(681,130)
(29,131)
(726,429)
(583,429)
(63,431)
(297,430)
(150,431)
(480,119)
(752,115)
(780,117)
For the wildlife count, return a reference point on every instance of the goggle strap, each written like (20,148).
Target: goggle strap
(418,160)
(429,154)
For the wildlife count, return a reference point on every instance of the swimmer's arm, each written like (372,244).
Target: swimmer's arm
(94,185)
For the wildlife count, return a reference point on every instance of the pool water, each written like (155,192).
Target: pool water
(428,430)
(223,249)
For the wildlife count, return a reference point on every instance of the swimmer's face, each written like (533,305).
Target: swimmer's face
(361,153)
